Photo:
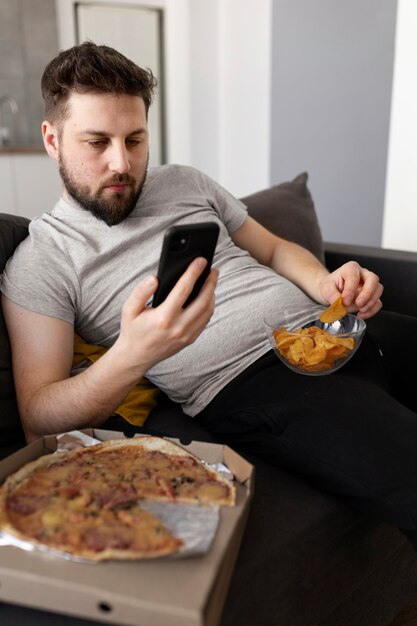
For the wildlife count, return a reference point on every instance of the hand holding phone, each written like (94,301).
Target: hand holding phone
(182,244)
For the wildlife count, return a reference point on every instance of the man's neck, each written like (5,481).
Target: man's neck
(70,200)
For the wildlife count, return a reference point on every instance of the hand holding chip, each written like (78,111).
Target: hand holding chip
(360,289)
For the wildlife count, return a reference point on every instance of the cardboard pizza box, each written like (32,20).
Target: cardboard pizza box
(160,592)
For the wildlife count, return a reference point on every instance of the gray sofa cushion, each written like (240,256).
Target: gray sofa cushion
(288,210)
(13,229)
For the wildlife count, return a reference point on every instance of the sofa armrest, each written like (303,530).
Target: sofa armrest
(397,270)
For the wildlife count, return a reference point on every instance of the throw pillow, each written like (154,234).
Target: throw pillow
(287,210)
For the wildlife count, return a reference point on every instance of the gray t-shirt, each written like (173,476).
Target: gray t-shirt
(76,268)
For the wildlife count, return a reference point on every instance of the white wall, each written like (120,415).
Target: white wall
(245,88)
(30,184)
(400,215)
(230,56)
(331,98)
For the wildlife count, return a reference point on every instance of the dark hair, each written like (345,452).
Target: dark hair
(89,68)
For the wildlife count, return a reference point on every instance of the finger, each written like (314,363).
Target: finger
(184,286)
(207,289)
(195,317)
(371,289)
(137,300)
(185,324)
(351,277)
(203,304)
(371,311)
(371,302)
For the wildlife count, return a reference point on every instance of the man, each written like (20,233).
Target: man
(90,265)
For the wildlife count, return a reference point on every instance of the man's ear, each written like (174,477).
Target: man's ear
(50,139)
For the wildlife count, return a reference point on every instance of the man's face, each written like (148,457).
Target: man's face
(103,153)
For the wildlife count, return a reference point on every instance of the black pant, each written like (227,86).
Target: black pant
(352,433)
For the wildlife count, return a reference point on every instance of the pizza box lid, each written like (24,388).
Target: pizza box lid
(160,592)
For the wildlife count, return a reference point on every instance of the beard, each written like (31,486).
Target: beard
(112,210)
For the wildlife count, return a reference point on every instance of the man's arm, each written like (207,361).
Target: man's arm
(360,288)
(42,348)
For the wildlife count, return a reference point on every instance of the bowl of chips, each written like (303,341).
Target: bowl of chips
(317,347)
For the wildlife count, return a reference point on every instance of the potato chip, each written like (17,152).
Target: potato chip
(296,351)
(312,349)
(316,356)
(335,312)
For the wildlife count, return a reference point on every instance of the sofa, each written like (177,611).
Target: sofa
(306,558)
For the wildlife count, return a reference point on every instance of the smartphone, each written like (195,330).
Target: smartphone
(181,245)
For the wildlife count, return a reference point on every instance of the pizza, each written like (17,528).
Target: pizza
(87,502)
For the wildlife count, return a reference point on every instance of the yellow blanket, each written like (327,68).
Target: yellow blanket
(138,403)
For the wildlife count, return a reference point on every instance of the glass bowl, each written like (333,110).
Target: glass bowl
(314,348)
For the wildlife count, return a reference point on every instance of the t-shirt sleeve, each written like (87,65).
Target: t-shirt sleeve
(40,277)
(231,211)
